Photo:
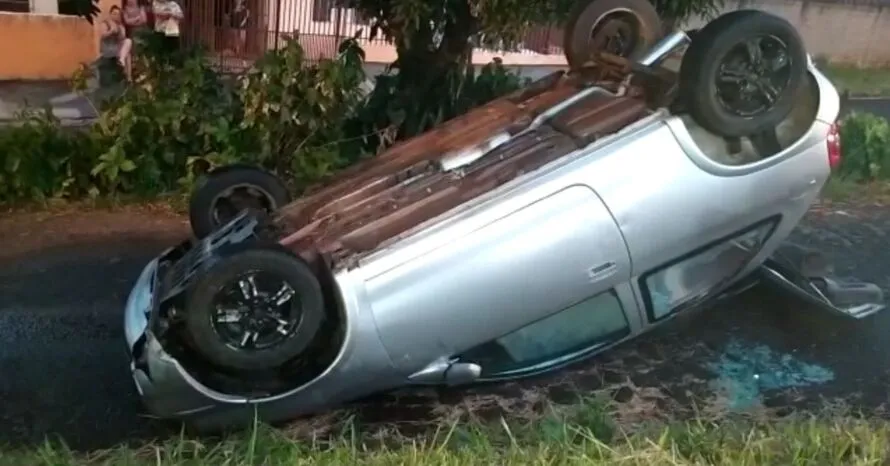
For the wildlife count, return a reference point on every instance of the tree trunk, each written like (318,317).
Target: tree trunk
(431,77)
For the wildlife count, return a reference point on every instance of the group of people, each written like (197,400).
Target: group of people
(123,26)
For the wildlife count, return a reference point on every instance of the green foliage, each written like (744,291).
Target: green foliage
(675,10)
(180,118)
(40,160)
(87,9)
(167,115)
(176,121)
(435,40)
(865,143)
(392,113)
(288,109)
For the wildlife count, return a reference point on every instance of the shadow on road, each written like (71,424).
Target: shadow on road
(63,362)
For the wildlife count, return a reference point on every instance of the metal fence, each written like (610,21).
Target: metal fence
(236,32)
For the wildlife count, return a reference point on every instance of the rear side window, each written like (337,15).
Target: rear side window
(687,281)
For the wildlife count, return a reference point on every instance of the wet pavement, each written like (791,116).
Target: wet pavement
(63,369)
(879,106)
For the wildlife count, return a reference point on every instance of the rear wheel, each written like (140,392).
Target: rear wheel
(255,310)
(740,74)
(626,28)
(226,192)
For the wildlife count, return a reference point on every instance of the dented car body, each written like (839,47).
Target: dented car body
(528,234)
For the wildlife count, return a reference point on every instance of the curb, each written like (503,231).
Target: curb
(847,95)
(63,122)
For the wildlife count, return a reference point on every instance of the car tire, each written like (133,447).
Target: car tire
(226,191)
(234,342)
(637,17)
(738,109)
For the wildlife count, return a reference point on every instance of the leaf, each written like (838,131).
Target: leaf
(127,166)
(99,168)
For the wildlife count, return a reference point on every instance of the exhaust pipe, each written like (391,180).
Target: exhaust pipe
(657,54)
(664,47)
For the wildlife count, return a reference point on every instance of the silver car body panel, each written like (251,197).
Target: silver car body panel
(598,219)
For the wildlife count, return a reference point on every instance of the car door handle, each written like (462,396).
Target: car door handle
(601,271)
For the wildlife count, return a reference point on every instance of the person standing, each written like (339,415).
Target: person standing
(135,20)
(113,42)
(238,27)
(168,15)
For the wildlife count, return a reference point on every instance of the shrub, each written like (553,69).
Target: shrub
(397,110)
(174,122)
(167,115)
(39,159)
(865,140)
(294,115)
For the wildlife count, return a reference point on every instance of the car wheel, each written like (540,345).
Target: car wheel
(227,191)
(740,74)
(254,310)
(627,28)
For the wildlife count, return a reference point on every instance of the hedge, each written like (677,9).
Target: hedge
(299,119)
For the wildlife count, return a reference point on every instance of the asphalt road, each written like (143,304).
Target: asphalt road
(64,369)
(63,366)
(878,106)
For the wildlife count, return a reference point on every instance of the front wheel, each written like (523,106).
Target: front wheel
(255,310)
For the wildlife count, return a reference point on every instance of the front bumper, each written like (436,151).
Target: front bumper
(160,380)
(169,391)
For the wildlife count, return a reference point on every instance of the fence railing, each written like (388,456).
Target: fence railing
(236,32)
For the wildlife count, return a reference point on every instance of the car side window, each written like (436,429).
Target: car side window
(559,338)
(686,282)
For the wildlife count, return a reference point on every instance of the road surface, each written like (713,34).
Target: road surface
(878,106)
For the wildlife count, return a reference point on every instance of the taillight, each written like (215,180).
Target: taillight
(834,146)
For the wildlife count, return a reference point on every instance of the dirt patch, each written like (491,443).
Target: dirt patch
(23,232)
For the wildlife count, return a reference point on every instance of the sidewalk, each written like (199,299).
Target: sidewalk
(72,109)
(76,110)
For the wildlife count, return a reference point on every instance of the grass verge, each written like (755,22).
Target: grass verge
(860,81)
(583,437)
(839,189)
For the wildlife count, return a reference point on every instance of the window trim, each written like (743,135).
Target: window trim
(8,7)
(564,359)
(773,221)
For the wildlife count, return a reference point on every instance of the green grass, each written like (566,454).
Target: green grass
(583,436)
(839,189)
(860,81)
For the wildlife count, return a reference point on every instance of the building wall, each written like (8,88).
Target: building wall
(46,46)
(36,46)
(49,46)
(854,32)
(844,31)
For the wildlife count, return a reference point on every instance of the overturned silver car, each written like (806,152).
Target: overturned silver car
(531,233)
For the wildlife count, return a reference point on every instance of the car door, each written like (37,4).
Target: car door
(691,233)
(564,295)
(555,248)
